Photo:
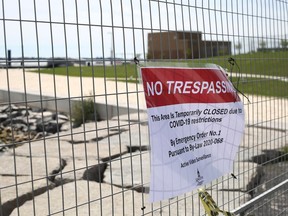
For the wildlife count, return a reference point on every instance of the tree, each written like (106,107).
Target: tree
(238,47)
(284,43)
(188,53)
(262,44)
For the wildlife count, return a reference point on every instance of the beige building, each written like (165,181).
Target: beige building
(184,45)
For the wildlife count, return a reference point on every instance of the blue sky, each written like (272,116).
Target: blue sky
(122,25)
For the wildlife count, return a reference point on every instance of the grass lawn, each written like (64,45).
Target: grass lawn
(261,63)
(264,63)
(119,71)
(264,87)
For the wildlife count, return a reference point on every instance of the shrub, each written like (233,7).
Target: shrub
(84,111)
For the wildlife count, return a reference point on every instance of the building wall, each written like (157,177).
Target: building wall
(184,45)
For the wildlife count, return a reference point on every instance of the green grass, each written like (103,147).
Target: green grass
(119,71)
(84,111)
(285,149)
(264,63)
(264,87)
(261,63)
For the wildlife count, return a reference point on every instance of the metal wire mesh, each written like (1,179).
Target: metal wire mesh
(73,124)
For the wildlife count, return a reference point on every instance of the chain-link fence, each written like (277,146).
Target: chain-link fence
(73,125)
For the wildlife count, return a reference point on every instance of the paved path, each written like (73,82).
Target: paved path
(105,90)
(246,75)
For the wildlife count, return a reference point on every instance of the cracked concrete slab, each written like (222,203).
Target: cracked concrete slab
(25,185)
(75,168)
(243,176)
(126,170)
(30,166)
(55,148)
(129,170)
(66,197)
(50,147)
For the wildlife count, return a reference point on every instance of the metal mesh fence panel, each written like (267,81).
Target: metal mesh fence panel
(74,134)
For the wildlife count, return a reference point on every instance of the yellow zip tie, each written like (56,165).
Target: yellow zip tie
(209,204)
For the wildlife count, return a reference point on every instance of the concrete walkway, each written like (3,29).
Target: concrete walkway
(245,76)
(33,87)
